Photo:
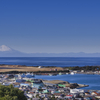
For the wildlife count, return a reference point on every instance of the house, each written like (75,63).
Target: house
(27,76)
(60,90)
(61,85)
(94,93)
(30,95)
(76,91)
(46,91)
(68,96)
(9,76)
(37,83)
(43,95)
(20,80)
(45,98)
(87,98)
(34,89)
(35,98)
(52,92)
(24,84)
(87,93)
(16,83)
(82,94)
(82,71)
(6,84)
(78,99)
(98,96)
(40,67)
(57,95)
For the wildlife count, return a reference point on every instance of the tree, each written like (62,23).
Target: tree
(37,95)
(11,93)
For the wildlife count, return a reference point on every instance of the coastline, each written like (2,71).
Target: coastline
(48,71)
(66,83)
(42,70)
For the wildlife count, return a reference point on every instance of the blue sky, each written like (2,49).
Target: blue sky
(50,26)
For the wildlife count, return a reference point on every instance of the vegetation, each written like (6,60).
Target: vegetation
(85,68)
(17,72)
(11,93)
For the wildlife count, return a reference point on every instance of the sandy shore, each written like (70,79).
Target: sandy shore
(7,68)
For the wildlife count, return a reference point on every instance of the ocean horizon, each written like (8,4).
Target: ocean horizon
(51,61)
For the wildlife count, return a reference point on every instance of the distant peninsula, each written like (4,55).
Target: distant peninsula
(48,69)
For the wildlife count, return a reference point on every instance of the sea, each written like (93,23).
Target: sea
(51,61)
(92,80)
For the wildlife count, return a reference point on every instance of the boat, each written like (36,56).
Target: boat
(50,74)
(72,73)
(60,73)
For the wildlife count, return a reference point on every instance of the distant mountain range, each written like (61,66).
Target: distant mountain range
(6,51)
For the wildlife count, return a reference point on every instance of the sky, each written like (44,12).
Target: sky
(50,26)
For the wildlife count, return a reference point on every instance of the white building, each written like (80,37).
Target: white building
(76,91)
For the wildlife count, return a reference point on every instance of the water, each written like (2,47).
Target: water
(51,61)
(92,80)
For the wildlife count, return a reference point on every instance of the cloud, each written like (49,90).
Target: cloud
(4,48)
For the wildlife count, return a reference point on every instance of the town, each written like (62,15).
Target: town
(38,89)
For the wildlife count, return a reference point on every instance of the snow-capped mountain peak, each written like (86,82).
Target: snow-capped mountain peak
(5,48)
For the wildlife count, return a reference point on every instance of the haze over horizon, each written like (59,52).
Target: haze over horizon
(51,26)
(5,48)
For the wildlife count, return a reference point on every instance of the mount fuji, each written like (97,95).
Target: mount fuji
(6,51)
(5,48)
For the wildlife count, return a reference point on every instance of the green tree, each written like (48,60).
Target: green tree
(11,93)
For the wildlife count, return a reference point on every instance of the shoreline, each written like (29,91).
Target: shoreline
(42,70)
(51,71)
(66,83)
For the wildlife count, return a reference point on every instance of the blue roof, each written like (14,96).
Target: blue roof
(24,84)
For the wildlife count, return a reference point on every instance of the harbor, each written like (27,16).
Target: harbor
(35,88)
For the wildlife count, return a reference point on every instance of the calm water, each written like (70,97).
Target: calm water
(92,80)
(51,61)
